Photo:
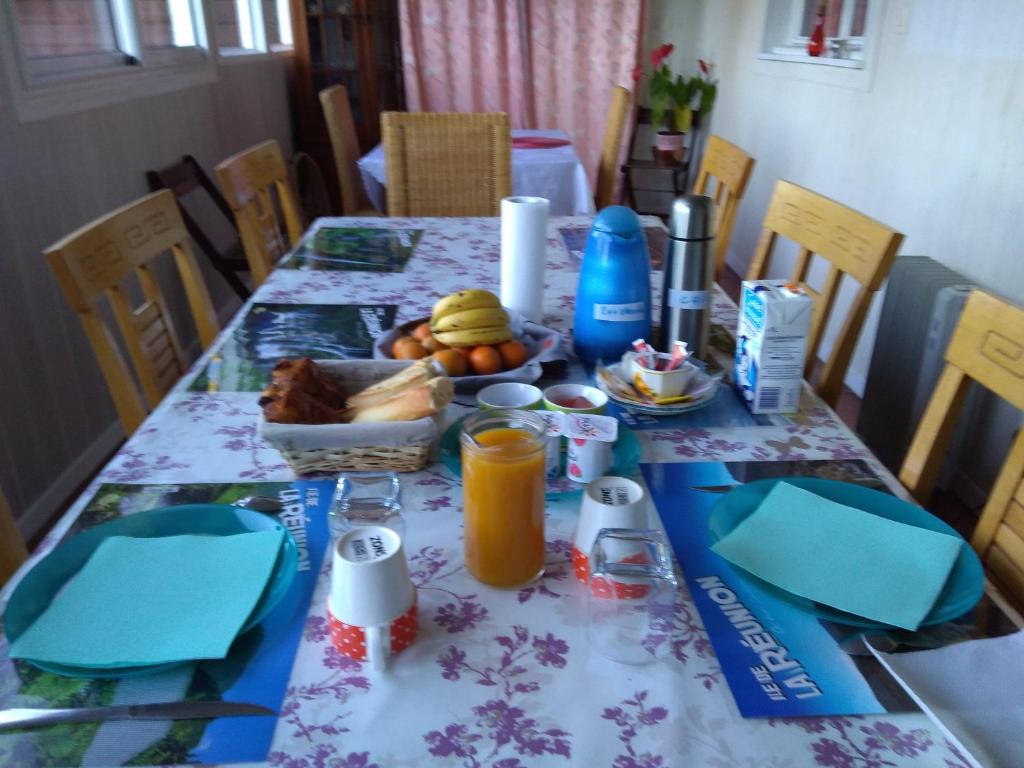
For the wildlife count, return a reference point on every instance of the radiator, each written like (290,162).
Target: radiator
(923,302)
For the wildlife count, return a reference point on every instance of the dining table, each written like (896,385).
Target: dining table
(503,678)
(544,164)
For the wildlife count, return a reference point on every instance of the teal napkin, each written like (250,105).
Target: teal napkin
(151,601)
(843,557)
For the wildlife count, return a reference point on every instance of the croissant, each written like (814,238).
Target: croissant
(290,405)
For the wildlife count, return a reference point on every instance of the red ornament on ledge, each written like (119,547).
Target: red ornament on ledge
(816,45)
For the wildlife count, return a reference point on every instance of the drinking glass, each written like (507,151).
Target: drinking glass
(631,594)
(367,498)
(503,496)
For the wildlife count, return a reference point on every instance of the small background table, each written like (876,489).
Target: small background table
(554,173)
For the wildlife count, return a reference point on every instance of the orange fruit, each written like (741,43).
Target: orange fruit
(407,348)
(453,362)
(421,332)
(513,354)
(484,360)
(464,351)
(431,344)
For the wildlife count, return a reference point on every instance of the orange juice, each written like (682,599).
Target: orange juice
(503,499)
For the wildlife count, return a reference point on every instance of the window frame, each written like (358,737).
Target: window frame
(793,47)
(48,87)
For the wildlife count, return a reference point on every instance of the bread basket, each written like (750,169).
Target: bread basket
(403,446)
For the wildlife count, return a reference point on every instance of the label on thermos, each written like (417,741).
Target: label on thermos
(620,313)
(678,299)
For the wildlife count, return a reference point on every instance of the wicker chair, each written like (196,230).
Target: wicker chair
(607,171)
(446,163)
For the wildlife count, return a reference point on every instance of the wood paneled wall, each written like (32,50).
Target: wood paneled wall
(56,417)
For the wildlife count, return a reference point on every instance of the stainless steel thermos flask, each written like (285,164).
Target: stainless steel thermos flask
(689,272)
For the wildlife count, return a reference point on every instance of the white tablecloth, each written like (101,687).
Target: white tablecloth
(555,173)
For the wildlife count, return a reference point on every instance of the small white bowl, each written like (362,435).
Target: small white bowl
(510,395)
(664,383)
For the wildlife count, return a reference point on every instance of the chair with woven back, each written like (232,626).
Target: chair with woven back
(12,547)
(94,263)
(446,163)
(988,348)
(728,167)
(250,180)
(345,146)
(608,169)
(853,245)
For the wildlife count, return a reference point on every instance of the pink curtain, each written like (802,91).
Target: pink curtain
(548,63)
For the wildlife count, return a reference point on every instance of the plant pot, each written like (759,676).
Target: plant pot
(668,147)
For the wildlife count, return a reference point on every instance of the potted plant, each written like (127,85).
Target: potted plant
(673,100)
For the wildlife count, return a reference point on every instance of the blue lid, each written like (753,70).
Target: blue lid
(617,220)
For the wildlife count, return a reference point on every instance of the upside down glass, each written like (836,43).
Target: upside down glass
(503,496)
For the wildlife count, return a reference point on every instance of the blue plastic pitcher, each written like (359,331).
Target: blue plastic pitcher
(613,299)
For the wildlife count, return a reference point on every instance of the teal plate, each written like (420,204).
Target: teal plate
(34,593)
(963,588)
(625,460)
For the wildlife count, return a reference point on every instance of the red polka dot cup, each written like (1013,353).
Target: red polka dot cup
(371,609)
(608,502)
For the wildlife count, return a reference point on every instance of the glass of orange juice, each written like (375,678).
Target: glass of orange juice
(503,496)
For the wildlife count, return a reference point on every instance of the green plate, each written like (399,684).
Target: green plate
(625,460)
(963,588)
(34,593)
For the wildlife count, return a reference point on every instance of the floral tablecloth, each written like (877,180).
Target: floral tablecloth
(507,678)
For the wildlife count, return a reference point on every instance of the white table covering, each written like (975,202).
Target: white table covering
(554,173)
(501,678)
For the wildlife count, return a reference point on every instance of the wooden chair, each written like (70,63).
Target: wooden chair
(94,261)
(987,347)
(853,244)
(446,163)
(345,146)
(608,169)
(247,180)
(12,547)
(730,168)
(188,180)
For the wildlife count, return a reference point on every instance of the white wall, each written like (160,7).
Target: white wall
(57,421)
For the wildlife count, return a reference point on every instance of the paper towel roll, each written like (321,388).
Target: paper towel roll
(524,234)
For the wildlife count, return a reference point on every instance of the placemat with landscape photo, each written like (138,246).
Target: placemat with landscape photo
(355,249)
(269,332)
(256,670)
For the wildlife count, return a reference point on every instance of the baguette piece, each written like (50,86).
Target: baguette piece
(412,402)
(418,373)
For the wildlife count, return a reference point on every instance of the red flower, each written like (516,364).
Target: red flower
(636,73)
(703,66)
(659,54)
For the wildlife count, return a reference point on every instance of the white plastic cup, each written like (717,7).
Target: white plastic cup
(372,602)
(608,502)
(586,460)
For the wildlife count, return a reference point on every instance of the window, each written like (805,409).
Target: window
(250,26)
(790,23)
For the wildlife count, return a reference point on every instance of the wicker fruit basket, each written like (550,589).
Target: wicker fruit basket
(403,446)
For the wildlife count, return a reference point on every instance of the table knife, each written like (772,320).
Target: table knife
(168,710)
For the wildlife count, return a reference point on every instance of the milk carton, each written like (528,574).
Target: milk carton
(775,319)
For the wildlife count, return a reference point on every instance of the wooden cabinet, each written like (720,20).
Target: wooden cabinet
(355,43)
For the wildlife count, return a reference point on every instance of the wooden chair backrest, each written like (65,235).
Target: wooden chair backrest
(446,163)
(852,243)
(345,146)
(987,347)
(247,180)
(608,169)
(12,546)
(730,168)
(94,261)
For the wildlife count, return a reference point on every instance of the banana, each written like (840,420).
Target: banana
(488,317)
(474,298)
(473,337)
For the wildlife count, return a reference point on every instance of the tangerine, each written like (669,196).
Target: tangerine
(407,348)
(431,344)
(421,332)
(454,363)
(484,360)
(513,354)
